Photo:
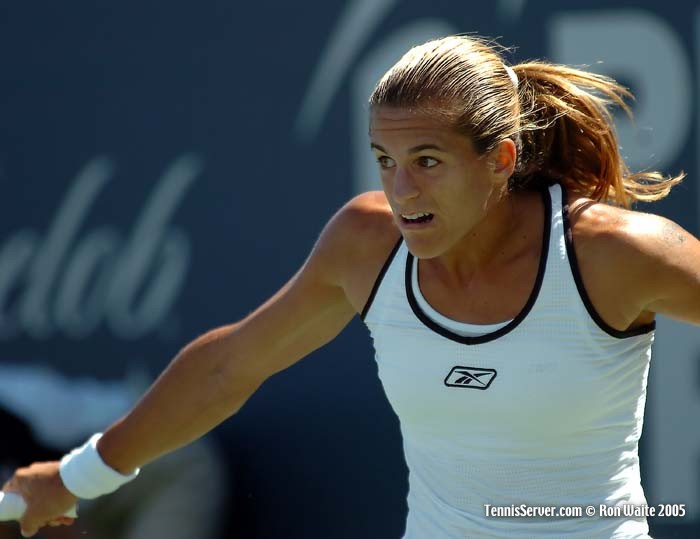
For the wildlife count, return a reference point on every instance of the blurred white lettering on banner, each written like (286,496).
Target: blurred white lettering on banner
(70,280)
(641,49)
(354,28)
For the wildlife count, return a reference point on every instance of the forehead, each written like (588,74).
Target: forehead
(392,123)
(400,119)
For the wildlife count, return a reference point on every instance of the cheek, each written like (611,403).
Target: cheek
(385,180)
(464,209)
(476,191)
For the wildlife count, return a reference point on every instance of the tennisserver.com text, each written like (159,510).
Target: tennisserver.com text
(524,510)
(624,510)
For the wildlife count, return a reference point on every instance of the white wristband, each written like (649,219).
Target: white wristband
(86,475)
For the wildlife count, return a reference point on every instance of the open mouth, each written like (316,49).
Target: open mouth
(417,218)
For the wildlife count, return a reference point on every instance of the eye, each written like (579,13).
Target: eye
(385,161)
(427,162)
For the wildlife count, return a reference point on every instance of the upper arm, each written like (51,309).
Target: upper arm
(670,259)
(322,297)
(636,264)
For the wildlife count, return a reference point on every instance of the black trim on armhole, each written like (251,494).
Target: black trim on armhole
(380,278)
(573,262)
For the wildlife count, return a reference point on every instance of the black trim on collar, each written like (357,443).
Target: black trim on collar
(427,321)
(380,278)
(573,262)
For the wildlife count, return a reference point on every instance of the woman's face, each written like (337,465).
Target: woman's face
(438,186)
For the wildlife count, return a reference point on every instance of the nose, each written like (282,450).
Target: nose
(404,188)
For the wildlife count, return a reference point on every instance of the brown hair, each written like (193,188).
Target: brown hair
(558,116)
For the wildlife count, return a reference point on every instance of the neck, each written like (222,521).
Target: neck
(489,244)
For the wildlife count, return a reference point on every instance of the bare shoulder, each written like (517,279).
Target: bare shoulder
(610,230)
(357,241)
(366,213)
(649,262)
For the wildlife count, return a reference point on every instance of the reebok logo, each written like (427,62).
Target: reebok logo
(470,377)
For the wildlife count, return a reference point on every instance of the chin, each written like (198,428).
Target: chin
(422,249)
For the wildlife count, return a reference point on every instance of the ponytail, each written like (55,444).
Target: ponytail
(558,116)
(567,134)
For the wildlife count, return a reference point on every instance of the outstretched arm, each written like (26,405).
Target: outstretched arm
(213,376)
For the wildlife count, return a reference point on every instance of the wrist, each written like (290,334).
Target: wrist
(87,476)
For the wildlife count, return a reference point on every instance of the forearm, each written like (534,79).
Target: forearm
(207,382)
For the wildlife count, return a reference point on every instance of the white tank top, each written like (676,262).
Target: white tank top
(544,410)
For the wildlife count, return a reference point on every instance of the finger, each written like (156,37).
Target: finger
(62,521)
(29,526)
(9,484)
(29,532)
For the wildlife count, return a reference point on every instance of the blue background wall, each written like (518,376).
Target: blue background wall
(165,167)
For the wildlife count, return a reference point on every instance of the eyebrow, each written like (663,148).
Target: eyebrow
(415,149)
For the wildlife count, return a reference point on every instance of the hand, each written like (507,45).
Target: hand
(47,499)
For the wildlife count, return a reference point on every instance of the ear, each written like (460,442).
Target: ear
(503,158)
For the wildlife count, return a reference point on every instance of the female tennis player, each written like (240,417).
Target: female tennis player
(509,290)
